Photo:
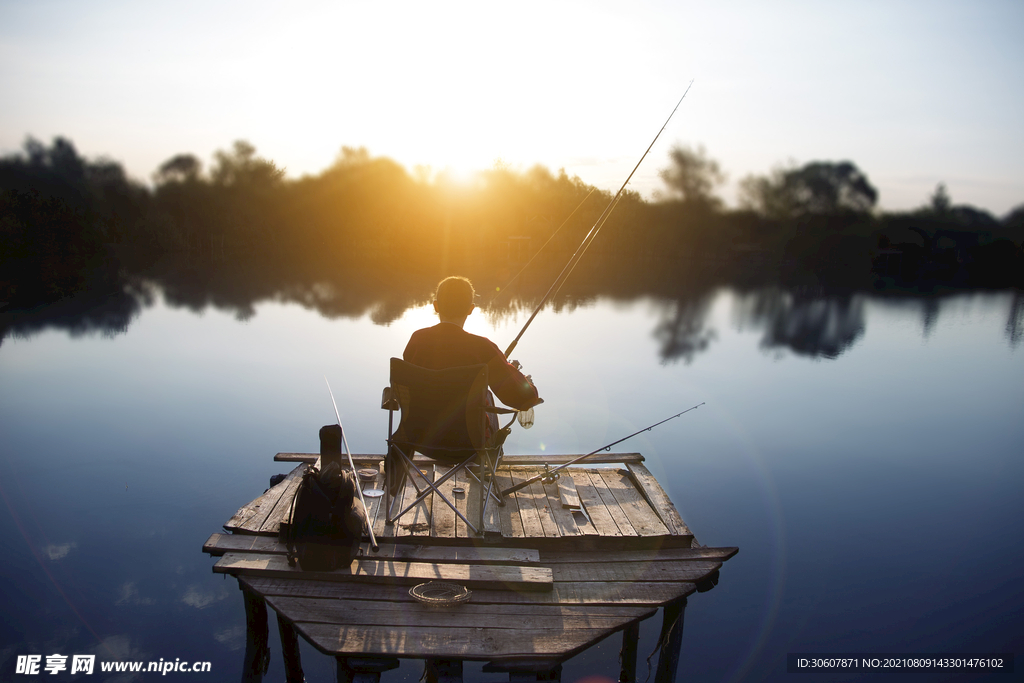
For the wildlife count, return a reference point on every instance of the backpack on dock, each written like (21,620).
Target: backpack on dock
(326,526)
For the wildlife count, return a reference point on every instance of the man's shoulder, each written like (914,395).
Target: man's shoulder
(455,335)
(484,343)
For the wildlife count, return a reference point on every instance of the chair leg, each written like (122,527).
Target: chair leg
(487,481)
(491,477)
(432,488)
(406,475)
(389,498)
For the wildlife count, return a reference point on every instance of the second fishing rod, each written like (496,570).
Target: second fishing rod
(550,474)
(592,234)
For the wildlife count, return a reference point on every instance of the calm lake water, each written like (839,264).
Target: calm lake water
(863,452)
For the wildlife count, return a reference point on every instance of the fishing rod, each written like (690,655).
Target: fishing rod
(589,238)
(550,474)
(359,489)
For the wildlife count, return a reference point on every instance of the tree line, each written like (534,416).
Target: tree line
(70,225)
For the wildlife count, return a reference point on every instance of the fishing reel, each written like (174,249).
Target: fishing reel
(549,476)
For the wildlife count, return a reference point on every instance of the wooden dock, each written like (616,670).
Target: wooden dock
(560,567)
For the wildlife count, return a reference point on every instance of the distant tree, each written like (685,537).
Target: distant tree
(764,194)
(179,168)
(1015,219)
(693,176)
(352,156)
(1013,222)
(241,166)
(58,214)
(940,203)
(820,187)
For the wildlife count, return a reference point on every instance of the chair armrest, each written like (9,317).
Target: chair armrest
(499,411)
(509,411)
(388,401)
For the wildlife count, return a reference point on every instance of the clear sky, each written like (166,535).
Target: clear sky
(915,93)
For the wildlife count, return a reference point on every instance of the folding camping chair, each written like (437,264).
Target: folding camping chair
(444,417)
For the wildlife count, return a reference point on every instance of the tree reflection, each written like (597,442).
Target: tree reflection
(107,313)
(808,324)
(1015,321)
(683,330)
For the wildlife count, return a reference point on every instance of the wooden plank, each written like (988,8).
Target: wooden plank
(583,524)
(640,514)
(444,517)
(384,571)
(560,459)
(415,522)
(218,544)
(567,491)
(373,505)
(460,500)
(550,557)
(561,593)
(296,457)
(599,515)
(511,460)
(563,519)
(282,511)
(658,499)
(454,554)
(634,571)
(252,507)
(473,500)
(423,642)
(381,528)
(403,615)
(492,509)
(509,517)
(531,526)
(537,522)
(570,501)
(611,504)
(249,517)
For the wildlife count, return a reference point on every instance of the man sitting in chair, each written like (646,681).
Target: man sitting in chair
(447,345)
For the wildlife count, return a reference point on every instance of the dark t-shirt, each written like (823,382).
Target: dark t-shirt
(447,345)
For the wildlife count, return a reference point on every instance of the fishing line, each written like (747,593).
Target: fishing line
(543,246)
(589,238)
(358,487)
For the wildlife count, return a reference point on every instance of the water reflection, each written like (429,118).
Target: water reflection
(105,312)
(1015,320)
(801,483)
(683,330)
(807,320)
(817,324)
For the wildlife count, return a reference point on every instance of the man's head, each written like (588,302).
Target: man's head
(454,298)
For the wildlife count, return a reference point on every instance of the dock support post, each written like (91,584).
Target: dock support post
(627,655)
(290,651)
(257,632)
(443,670)
(363,669)
(671,642)
(520,671)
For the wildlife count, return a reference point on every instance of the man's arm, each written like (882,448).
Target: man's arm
(510,386)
